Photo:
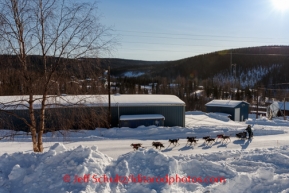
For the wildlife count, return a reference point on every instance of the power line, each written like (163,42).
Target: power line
(147,32)
(259,54)
(159,50)
(227,42)
(199,46)
(170,44)
(162,37)
(209,53)
(196,39)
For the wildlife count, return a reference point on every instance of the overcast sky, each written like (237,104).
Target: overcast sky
(177,29)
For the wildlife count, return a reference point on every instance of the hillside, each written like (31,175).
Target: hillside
(258,64)
(120,66)
(262,66)
(265,65)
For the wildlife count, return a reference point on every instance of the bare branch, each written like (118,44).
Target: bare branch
(57,33)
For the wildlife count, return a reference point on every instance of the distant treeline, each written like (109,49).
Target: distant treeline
(180,77)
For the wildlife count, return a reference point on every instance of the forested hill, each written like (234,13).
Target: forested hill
(266,65)
(120,66)
(208,65)
(263,65)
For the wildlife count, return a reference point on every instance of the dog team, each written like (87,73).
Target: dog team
(194,140)
(191,140)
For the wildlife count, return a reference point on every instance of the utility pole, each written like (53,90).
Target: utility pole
(231,66)
(284,110)
(109,108)
(257,103)
(233,71)
(231,59)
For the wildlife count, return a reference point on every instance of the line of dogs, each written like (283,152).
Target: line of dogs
(191,140)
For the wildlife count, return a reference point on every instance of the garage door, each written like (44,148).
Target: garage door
(237,114)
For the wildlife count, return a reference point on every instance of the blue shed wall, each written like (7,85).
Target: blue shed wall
(145,122)
(227,110)
(244,110)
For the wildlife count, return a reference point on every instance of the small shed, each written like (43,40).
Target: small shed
(284,108)
(169,106)
(239,110)
(134,121)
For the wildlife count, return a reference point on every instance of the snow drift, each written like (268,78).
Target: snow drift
(77,170)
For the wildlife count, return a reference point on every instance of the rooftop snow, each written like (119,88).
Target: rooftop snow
(20,102)
(224,103)
(141,117)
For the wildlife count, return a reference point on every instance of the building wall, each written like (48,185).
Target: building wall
(227,110)
(174,115)
(145,122)
(56,118)
(244,110)
(11,122)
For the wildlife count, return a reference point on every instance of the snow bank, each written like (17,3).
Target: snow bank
(44,172)
(266,121)
(84,169)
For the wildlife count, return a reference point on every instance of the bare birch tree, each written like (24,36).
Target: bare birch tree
(56,30)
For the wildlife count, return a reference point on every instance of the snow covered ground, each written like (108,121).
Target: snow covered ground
(103,160)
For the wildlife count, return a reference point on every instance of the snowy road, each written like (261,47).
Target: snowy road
(115,142)
(115,147)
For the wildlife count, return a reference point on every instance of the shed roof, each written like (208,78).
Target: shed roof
(145,100)
(224,103)
(20,102)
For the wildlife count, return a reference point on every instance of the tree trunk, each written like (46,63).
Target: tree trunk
(42,123)
(33,124)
